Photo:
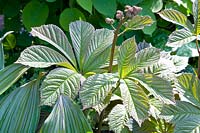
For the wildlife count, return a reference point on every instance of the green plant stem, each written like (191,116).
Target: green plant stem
(116,32)
(198,69)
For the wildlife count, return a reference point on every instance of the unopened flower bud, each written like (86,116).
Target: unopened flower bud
(119,14)
(136,10)
(127,7)
(109,21)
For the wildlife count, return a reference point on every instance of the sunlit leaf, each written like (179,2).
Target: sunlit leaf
(59,81)
(20,110)
(157,5)
(66,117)
(9,75)
(196,15)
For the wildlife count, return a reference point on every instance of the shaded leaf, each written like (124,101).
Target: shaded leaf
(177,18)
(66,117)
(59,81)
(95,89)
(9,75)
(86,4)
(20,110)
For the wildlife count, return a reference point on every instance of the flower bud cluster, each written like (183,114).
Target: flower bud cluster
(132,11)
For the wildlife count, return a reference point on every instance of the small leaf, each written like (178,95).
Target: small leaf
(20,110)
(59,81)
(105,7)
(138,22)
(135,100)
(9,75)
(196,15)
(176,17)
(9,42)
(95,89)
(86,4)
(69,15)
(66,117)
(117,118)
(41,57)
(126,56)
(157,5)
(34,14)
(179,38)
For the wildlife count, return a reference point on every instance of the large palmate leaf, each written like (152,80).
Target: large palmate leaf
(157,86)
(56,37)
(59,81)
(9,75)
(117,118)
(99,49)
(177,18)
(96,88)
(81,34)
(180,37)
(189,87)
(185,116)
(135,100)
(126,56)
(138,22)
(1,50)
(20,109)
(41,57)
(196,14)
(66,117)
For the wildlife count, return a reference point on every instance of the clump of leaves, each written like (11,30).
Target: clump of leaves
(82,75)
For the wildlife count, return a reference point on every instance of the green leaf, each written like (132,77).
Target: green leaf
(135,100)
(158,87)
(138,22)
(99,50)
(9,75)
(179,38)
(126,56)
(105,7)
(69,15)
(50,0)
(129,2)
(185,116)
(56,37)
(117,118)
(41,57)
(157,5)
(86,4)
(66,117)
(196,15)
(20,110)
(176,17)
(59,81)
(188,50)
(2,50)
(9,42)
(34,14)
(81,34)
(95,89)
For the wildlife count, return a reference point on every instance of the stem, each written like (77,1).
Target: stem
(198,70)
(101,117)
(114,43)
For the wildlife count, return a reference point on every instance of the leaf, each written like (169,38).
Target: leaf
(56,37)
(9,75)
(50,0)
(196,15)
(69,15)
(105,7)
(185,116)
(135,100)
(188,50)
(20,110)
(66,117)
(86,4)
(34,14)
(9,42)
(179,38)
(41,57)
(117,118)
(2,51)
(81,34)
(95,89)
(157,5)
(126,56)
(59,81)
(138,22)
(158,87)
(176,17)
(99,50)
